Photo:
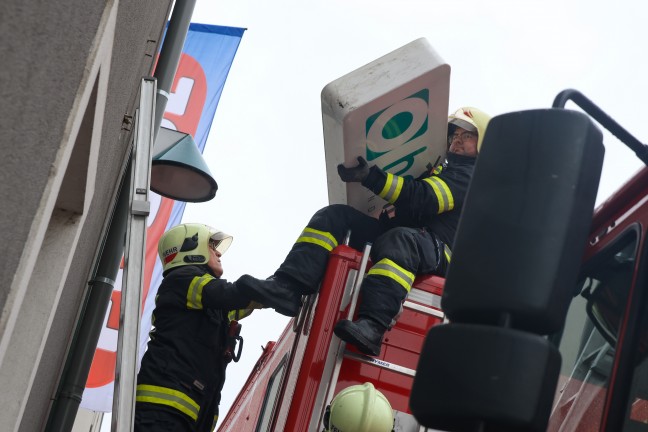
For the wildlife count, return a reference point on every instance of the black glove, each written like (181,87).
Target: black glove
(356,174)
(387,219)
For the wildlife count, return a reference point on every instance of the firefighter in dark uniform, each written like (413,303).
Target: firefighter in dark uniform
(417,240)
(183,370)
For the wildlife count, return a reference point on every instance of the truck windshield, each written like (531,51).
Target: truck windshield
(589,339)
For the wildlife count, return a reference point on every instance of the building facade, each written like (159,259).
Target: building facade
(69,82)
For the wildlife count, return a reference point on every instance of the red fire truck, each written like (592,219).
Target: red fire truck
(594,314)
(297,376)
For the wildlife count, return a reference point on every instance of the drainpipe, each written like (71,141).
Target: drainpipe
(170,55)
(77,367)
(79,360)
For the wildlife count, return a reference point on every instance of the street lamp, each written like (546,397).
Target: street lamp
(178,170)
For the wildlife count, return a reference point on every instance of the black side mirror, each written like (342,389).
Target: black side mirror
(516,259)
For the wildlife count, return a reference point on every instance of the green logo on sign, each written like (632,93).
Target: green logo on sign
(397,125)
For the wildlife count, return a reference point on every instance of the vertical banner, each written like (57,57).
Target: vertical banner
(204,65)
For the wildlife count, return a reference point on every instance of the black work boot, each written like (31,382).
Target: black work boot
(365,334)
(277,293)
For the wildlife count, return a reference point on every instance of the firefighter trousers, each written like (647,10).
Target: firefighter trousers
(398,255)
(155,419)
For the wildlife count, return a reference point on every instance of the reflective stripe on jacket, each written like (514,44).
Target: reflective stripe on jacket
(433,202)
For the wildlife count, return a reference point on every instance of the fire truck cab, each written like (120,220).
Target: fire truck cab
(603,381)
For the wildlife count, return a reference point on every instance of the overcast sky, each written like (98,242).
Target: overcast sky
(266,146)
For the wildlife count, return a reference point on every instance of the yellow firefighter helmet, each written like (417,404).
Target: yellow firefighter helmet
(471,119)
(359,408)
(188,244)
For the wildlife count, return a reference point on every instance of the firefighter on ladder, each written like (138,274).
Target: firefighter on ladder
(194,336)
(417,240)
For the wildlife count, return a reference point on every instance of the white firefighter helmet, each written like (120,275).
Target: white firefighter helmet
(188,244)
(471,119)
(359,408)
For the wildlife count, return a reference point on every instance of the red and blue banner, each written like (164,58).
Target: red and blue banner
(204,65)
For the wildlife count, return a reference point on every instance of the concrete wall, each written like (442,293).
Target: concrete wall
(70,74)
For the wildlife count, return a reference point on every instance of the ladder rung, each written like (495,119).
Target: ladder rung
(423,309)
(379,363)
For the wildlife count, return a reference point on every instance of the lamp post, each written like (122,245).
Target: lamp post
(176,171)
(132,280)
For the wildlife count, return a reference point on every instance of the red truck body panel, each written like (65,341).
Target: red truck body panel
(302,397)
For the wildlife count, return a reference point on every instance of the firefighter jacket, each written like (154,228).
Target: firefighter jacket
(432,202)
(183,368)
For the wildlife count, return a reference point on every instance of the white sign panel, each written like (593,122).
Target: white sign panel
(393,112)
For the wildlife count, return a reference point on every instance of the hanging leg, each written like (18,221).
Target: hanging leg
(399,255)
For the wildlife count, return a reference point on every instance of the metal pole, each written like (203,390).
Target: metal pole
(133,279)
(170,55)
